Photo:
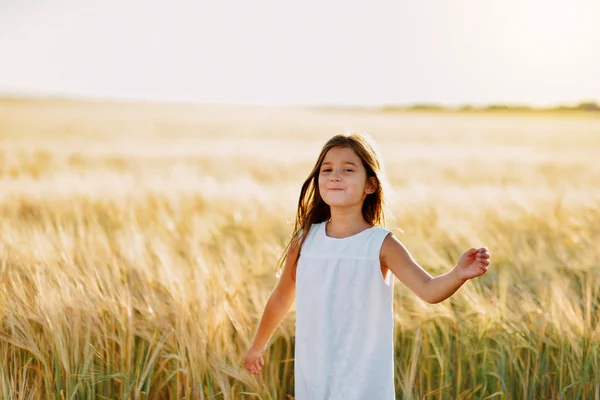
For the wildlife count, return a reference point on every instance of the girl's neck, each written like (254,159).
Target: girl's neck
(346,225)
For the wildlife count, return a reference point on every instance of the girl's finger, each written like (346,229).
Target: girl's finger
(262,361)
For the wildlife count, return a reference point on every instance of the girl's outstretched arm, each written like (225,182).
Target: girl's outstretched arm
(395,256)
(278,304)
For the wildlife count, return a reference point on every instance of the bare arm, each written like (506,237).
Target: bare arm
(278,304)
(396,257)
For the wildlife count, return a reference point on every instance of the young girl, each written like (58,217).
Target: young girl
(337,269)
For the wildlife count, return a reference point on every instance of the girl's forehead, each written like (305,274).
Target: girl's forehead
(341,154)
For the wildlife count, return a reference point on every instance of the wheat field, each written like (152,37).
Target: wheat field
(138,245)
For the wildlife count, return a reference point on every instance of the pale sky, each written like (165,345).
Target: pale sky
(371,52)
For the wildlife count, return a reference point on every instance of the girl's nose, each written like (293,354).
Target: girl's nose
(334,177)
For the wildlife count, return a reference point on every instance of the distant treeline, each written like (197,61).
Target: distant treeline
(584,106)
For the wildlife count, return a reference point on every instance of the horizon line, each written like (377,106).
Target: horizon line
(8,95)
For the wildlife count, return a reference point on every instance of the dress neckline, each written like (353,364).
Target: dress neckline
(324,228)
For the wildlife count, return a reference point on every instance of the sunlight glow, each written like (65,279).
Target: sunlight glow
(534,52)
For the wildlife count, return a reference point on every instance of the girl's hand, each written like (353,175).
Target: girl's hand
(253,361)
(473,263)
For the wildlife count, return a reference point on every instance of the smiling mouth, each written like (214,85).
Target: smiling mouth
(336,190)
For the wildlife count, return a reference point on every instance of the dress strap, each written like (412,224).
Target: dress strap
(377,238)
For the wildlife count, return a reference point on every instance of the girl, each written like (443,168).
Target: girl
(337,269)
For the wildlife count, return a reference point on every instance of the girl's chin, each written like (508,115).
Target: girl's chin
(337,203)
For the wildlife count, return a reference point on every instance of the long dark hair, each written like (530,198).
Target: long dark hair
(311,207)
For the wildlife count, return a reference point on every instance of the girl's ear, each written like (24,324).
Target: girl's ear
(371,185)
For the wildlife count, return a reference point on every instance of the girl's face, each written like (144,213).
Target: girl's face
(342,178)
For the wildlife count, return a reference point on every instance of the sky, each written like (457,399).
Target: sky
(370,52)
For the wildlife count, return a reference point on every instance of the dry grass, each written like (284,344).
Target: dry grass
(138,244)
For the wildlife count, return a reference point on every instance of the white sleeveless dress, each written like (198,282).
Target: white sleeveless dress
(344,345)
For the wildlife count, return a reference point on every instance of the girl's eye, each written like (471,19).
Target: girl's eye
(329,170)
